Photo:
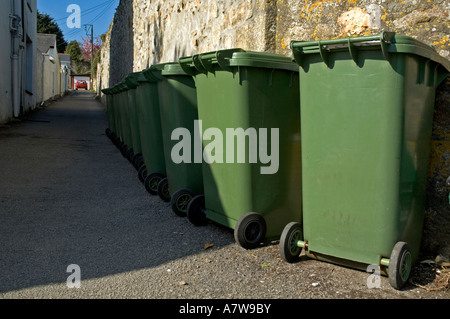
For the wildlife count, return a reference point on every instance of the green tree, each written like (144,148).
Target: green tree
(46,24)
(95,62)
(80,66)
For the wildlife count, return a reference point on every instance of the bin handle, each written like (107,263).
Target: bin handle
(198,64)
(186,65)
(384,41)
(149,75)
(324,53)
(353,52)
(223,57)
(206,61)
(324,47)
(441,74)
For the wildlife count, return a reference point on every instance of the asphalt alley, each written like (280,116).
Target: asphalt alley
(71,204)
(68,196)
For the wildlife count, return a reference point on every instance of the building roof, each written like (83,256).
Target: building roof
(45,42)
(64,58)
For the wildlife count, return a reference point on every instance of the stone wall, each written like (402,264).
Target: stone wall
(146,32)
(425,20)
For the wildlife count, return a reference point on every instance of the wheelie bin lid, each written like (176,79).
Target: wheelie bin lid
(122,86)
(141,77)
(173,68)
(115,89)
(153,73)
(227,59)
(387,42)
(131,80)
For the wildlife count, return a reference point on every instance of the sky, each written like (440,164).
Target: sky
(98,13)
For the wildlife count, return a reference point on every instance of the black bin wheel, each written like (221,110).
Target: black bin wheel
(123,148)
(180,201)
(196,211)
(114,138)
(142,173)
(289,250)
(250,230)
(400,265)
(138,160)
(129,154)
(163,190)
(151,182)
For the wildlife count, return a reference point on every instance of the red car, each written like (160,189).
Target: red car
(81,84)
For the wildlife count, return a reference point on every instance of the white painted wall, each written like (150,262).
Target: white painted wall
(17,56)
(48,79)
(6,111)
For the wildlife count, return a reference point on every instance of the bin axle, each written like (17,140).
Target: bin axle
(302,244)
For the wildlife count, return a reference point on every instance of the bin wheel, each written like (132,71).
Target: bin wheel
(124,149)
(196,211)
(250,230)
(163,190)
(142,173)
(108,132)
(399,265)
(180,201)
(151,182)
(129,154)
(138,160)
(289,250)
(114,138)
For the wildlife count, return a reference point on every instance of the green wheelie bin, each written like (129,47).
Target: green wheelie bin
(111,129)
(366,109)
(153,168)
(134,153)
(126,141)
(178,107)
(116,90)
(113,113)
(250,134)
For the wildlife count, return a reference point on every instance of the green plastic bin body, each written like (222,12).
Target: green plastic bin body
(150,133)
(133,114)
(126,118)
(246,90)
(117,112)
(114,111)
(366,118)
(178,107)
(109,109)
(125,131)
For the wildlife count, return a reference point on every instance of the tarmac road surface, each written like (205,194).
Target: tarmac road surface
(71,205)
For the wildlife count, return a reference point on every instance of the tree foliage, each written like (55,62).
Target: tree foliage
(86,46)
(80,55)
(46,24)
(78,63)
